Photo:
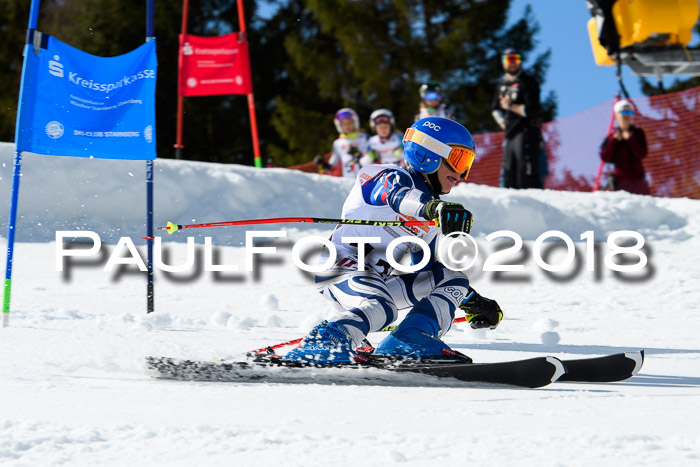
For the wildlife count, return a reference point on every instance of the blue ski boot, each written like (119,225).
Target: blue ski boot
(328,344)
(416,338)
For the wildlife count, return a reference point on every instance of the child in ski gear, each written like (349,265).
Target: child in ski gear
(625,148)
(350,145)
(431,104)
(439,153)
(386,146)
(516,109)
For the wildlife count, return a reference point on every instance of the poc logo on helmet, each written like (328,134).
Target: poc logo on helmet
(432,125)
(432,143)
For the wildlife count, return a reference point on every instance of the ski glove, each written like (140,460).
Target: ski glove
(481,312)
(354,152)
(450,217)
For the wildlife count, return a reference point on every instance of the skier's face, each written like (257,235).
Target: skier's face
(347,125)
(383,129)
(448,177)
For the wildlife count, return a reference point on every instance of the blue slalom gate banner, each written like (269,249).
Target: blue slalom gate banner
(76,104)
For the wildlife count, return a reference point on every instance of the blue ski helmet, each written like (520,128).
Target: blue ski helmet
(431,91)
(431,139)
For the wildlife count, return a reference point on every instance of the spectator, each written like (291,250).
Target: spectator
(625,148)
(431,104)
(516,109)
(386,146)
(348,148)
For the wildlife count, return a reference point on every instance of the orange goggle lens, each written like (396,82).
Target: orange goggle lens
(511,58)
(461,159)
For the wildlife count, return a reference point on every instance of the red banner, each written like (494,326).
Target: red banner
(214,65)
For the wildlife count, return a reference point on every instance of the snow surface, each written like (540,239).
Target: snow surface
(74,389)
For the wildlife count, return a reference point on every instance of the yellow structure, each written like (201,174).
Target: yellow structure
(671,21)
(599,53)
(648,23)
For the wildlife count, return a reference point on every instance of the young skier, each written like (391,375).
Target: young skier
(431,104)
(350,145)
(386,146)
(438,153)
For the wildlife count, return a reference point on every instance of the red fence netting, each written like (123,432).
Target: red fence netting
(672,126)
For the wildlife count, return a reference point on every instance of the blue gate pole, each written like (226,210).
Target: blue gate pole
(150,293)
(16,175)
(11,227)
(150,298)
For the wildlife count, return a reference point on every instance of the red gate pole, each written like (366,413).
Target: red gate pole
(180,99)
(251,99)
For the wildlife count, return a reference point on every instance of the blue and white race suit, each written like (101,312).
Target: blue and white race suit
(368,300)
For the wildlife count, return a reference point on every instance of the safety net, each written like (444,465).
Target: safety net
(672,126)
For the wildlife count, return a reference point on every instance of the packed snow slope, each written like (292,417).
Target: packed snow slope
(75,390)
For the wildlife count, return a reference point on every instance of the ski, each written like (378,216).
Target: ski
(606,369)
(374,369)
(530,373)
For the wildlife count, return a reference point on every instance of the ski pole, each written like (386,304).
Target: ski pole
(171,227)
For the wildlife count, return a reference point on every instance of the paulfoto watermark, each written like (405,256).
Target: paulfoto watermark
(457,251)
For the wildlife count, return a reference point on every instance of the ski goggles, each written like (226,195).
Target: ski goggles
(627,112)
(459,158)
(432,96)
(511,59)
(382,119)
(344,116)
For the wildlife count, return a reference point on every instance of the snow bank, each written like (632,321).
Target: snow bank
(109,197)
(62,193)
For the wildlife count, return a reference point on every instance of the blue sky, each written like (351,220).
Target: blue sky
(573,75)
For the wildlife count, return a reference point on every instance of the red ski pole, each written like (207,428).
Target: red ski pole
(172,227)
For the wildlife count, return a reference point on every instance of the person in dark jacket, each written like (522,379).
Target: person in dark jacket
(625,148)
(516,109)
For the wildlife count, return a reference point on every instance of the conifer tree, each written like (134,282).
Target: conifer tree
(309,58)
(216,127)
(14,15)
(367,54)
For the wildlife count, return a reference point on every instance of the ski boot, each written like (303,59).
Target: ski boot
(416,339)
(481,312)
(328,344)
